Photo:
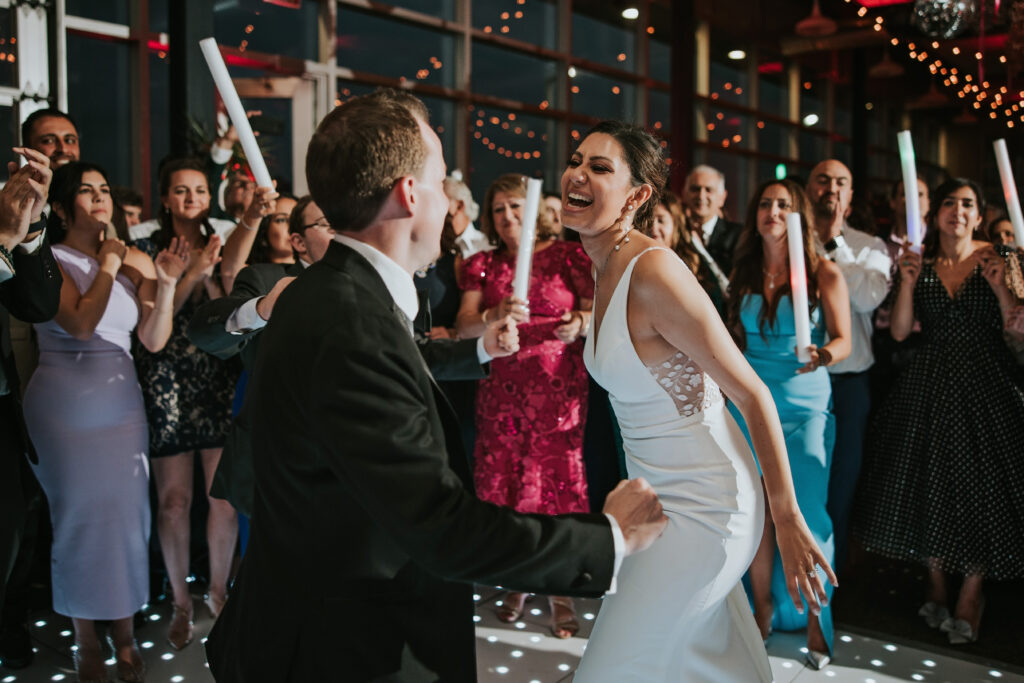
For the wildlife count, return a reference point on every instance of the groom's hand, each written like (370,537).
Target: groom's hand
(635,506)
(501,337)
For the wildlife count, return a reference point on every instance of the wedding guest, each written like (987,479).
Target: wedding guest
(943,483)
(188,399)
(273,239)
(704,195)
(85,414)
(551,213)
(669,228)
(864,262)
(531,410)
(761,318)
(463,211)
(30,285)
(130,202)
(1000,231)
(53,133)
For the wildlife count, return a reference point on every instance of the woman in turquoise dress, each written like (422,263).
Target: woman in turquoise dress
(760,317)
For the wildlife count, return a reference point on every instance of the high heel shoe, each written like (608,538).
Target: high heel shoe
(934,614)
(960,631)
(134,669)
(566,625)
(179,633)
(512,606)
(89,665)
(817,660)
(215,605)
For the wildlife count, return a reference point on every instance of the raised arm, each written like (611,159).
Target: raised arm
(80,313)
(669,310)
(240,241)
(901,324)
(156,291)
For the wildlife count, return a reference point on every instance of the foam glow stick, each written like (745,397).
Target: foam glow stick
(524,258)
(909,165)
(1009,191)
(798,286)
(229,95)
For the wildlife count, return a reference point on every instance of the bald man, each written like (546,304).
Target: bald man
(864,261)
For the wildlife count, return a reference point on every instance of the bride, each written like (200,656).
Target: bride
(658,346)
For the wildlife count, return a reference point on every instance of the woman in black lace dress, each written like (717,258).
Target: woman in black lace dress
(188,396)
(944,477)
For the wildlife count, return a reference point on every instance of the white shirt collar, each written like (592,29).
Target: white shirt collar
(707,228)
(398,282)
(472,241)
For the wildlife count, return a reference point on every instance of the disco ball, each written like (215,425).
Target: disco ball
(944,18)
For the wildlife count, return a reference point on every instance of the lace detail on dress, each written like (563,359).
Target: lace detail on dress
(688,386)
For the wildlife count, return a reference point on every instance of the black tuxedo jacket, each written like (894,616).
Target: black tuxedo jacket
(364,523)
(723,243)
(32,295)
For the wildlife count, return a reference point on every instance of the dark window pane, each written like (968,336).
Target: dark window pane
(812,147)
(443,9)
(774,91)
(396,49)
(727,128)
(660,47)
(268,28)
(535,22)
(774,138)
(729,80)
(735,169)
(98,74)
(513,75)
(115,11)
(603,97)
(8,49)
(660,114)
(507,142)
(157,15)
(597,40)
(160,113)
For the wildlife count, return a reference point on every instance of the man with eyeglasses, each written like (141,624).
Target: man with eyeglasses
(53,133)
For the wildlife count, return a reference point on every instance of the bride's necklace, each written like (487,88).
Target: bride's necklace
(772,277)
(618,245)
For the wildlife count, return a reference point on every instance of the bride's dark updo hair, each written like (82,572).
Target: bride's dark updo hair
(646,162)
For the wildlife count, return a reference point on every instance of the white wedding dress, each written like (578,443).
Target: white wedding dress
(679,614)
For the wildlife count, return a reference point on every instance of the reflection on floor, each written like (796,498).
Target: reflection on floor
(525,652)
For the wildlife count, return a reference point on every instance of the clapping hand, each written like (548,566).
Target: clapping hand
(24,196)
(501,337)
(172,262)
(204,260)
(801,560)
(993,267)
(111,254)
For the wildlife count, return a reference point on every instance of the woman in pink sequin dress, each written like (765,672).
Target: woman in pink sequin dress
(531,410)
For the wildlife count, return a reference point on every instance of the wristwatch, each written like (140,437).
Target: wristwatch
(835,243)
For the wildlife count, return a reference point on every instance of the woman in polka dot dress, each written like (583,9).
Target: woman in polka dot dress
(944,478)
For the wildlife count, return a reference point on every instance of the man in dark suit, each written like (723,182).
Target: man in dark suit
(704,196)
(232,324)
(30,290)
(367,529)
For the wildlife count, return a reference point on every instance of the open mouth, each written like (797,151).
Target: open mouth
(578,201)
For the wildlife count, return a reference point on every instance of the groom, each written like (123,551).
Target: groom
(366,532)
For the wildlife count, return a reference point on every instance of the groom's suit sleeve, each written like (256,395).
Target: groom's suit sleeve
(384,432)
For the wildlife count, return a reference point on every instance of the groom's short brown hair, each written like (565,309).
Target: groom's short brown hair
(358,152)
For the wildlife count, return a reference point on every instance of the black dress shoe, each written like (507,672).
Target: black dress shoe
(15,647)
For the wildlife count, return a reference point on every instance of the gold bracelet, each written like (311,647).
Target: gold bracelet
(483,316)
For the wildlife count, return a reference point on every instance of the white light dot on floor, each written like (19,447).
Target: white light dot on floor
(535,681)
(65,633)
(535,639)
(535,612)
(891,648)
(928,663)
(516,653)
(40,624)
(492,639)
(476,597)
(589,616)
(803,650)
(501,669)
(498,603)
(846,639)
(917,677)
(154,617)
(787,665)
(870,680)
(167,656)
(995,674)
(110,662)
(74,648)
(830,673)
(10,679)
(57,677)
(520,625)
(147,644)
(564,667)
(477,618)
(177,679)
(877,662)
(203,640)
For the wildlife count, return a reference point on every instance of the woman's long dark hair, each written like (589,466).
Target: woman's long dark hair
(63,190)
(931,238)
(162,237)
(748,264)
(260,252)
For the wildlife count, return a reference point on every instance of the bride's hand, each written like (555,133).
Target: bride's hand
(801,559)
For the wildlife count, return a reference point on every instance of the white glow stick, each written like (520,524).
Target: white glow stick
(229,95)
(524,258)
(909,165)
(1009,190)
(798,286)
